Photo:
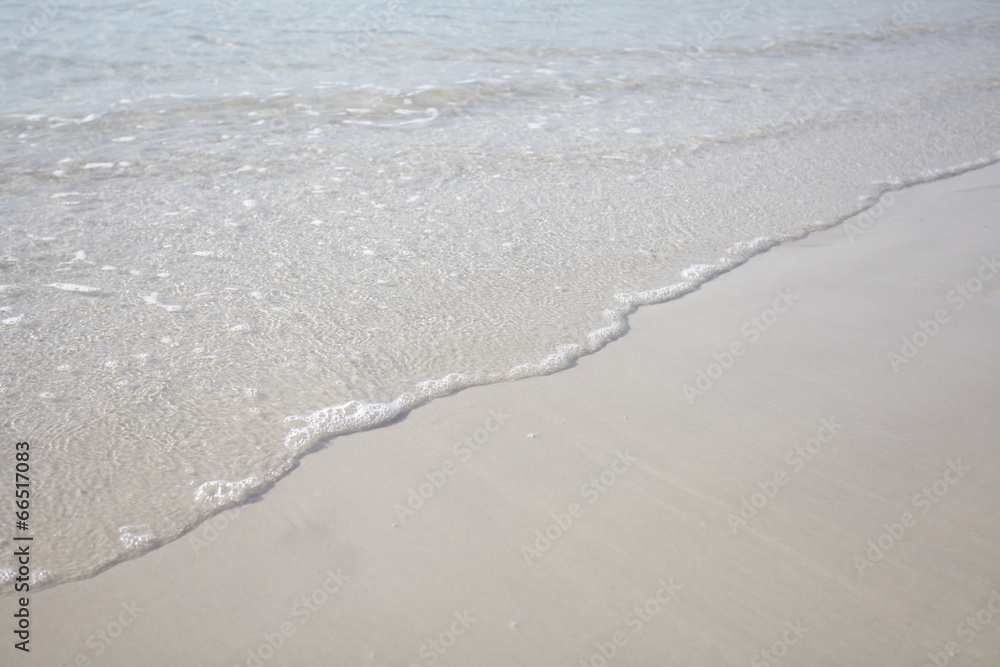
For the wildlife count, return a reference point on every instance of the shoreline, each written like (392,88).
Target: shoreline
(797,458)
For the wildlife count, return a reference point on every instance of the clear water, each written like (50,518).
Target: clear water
(233,230)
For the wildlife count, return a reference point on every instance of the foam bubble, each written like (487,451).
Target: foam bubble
(446,385)
(153,299)
(136,537)
(563,356)
(345,418)
(221,492)
(70,287)
(700,272)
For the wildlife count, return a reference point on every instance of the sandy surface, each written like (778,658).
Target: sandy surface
(809,500)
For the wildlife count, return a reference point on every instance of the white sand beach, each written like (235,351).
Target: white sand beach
(796,464)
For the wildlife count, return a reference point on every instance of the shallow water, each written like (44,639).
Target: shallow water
(230,232)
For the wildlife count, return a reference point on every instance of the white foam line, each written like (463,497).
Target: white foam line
(354,416)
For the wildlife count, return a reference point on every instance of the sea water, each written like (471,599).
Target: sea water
(233,230)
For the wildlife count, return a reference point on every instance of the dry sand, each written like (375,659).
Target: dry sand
(812,506)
